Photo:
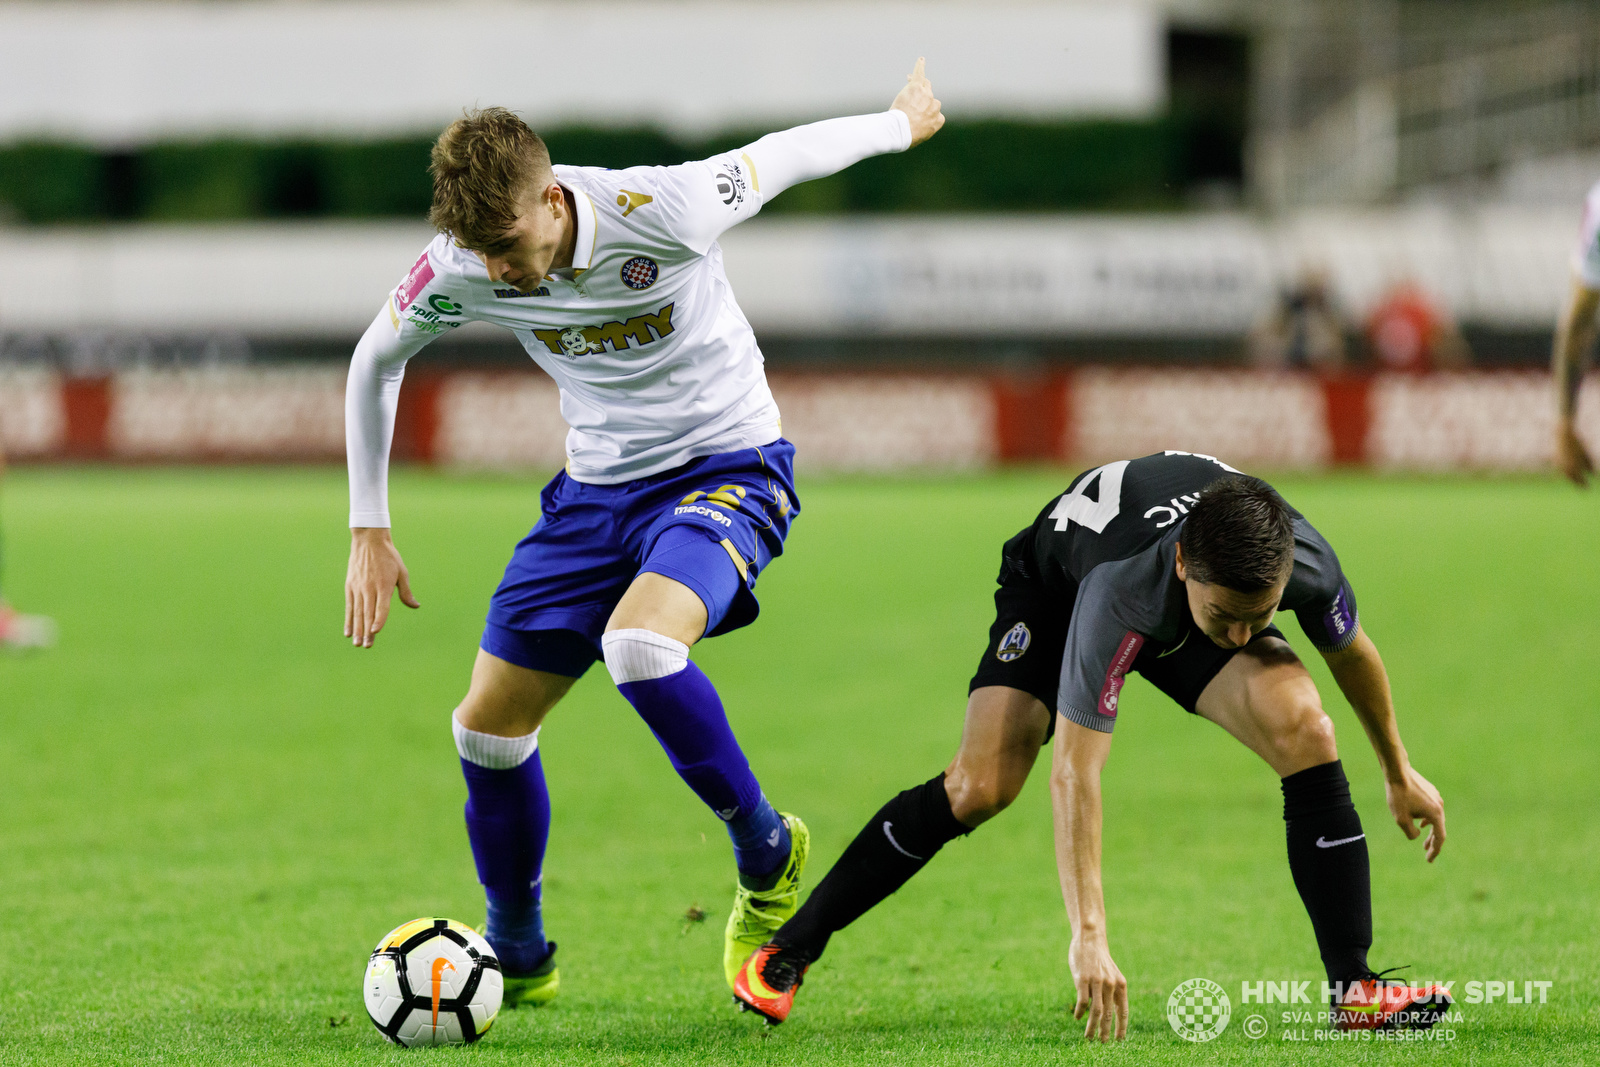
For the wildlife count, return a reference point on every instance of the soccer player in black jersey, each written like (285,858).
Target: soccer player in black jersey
(1172,566)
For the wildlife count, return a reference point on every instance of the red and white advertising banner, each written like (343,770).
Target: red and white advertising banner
(839,422)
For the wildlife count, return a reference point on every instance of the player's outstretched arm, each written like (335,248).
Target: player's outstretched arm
(1412,798)
(372,392)
(711,195)
(1080,754)
(790,157)
(1574,335)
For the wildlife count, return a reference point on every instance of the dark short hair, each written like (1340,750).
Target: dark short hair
(1239,535)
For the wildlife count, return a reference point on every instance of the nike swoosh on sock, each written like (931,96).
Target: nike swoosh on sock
(1323,842)
(890,835)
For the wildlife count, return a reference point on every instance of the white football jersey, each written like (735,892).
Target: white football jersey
(655,362)
(1586,256)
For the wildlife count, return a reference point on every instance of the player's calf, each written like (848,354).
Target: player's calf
(681,707)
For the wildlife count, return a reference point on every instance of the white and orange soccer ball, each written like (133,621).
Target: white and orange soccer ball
(433,982)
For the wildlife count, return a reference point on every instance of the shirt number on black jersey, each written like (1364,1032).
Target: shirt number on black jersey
(1095,513)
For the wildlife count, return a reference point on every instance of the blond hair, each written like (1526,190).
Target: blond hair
(482,164)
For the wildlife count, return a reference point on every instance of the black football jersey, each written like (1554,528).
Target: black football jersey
(1107,547)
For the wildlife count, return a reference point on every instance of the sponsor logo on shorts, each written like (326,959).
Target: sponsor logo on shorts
(420,275)
(1014,643)
(640,272)
(1117,673)
(701,509)
(731,495)
(637,332)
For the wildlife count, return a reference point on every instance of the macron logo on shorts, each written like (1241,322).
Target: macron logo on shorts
(1117,673)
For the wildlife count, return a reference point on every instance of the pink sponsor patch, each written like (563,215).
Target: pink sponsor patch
(1117,673)
(421,274)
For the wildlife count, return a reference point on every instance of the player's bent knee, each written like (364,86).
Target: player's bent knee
(978,796)
(507,700)
(641,655)
(1307,739)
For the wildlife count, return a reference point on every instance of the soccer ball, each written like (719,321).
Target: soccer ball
(432,982)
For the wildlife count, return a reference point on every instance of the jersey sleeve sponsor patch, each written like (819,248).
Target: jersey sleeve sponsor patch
(415,281)
(1117,673)
(1334,627)
(1103,644)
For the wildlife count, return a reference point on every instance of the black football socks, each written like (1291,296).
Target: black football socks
(894,845)
(1328,858)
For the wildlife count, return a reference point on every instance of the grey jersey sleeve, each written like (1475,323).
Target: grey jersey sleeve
(1318,592)
(1101,648)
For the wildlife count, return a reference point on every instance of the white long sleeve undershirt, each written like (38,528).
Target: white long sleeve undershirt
(371,395)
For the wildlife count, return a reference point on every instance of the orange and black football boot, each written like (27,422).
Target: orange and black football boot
(768,981)
(1371,1003)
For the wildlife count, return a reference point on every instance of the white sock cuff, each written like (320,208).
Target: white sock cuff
(641,655)
(488,750)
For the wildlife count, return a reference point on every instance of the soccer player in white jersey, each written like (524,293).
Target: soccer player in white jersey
(676,494)
(1574,337)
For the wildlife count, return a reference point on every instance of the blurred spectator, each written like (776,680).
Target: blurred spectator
(19,631)
(1304,329)
(1409,331)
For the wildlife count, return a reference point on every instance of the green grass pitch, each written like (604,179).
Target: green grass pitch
(213,806)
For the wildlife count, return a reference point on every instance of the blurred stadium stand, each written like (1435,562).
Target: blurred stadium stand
(202,205)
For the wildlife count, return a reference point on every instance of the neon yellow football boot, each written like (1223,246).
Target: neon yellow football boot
(535,989)
(757,913)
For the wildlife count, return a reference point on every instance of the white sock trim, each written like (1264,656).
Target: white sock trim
(641,655)
(491,751)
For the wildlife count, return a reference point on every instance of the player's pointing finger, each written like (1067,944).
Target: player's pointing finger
(916,74)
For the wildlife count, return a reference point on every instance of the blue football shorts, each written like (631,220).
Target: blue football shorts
(713,524)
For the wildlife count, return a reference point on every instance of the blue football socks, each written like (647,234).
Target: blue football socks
(681,707)
(508,823)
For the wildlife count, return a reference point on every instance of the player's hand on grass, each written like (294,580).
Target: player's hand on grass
(1572,457)
(1415,800)
(1102,991)
(917,101)
(376,570)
